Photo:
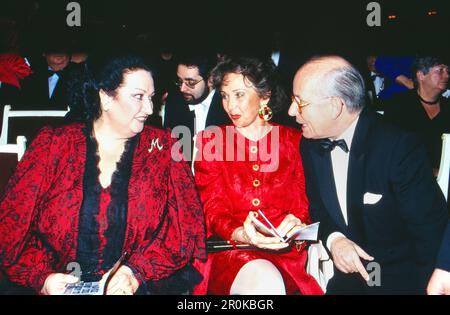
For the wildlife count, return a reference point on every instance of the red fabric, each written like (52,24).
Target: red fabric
(13,68)
(226,189)
(39,212)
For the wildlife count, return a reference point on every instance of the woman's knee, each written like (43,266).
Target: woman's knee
(258,277)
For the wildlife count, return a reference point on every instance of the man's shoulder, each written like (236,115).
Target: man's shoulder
(384,130)
(384,139)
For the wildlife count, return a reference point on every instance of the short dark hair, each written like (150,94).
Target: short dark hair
(106,74)
(262,73)
(204,62)
(424,64)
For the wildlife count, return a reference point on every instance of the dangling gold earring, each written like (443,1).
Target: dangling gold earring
(265,113)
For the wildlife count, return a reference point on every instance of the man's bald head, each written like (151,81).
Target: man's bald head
(332,76)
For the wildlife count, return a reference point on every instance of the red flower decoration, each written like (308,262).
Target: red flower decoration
(13,68)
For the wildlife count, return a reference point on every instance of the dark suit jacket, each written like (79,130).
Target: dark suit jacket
(402,231)
(372,101)
(177,113)
(34,92)
(443,261)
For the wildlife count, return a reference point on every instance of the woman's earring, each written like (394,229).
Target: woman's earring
(265,113)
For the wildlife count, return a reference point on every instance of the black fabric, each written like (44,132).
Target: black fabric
(177,113)
(88,245)
(406,111)
(180,282)
(51,73)
(34,92)
(118,207)
(329,145)
(403,229)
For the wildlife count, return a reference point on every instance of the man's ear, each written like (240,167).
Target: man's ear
(210,83)
(337,106)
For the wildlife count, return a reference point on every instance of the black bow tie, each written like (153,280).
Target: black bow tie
(374,76)
(329,145)
(51,72)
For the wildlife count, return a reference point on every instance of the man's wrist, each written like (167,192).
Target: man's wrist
(332,237)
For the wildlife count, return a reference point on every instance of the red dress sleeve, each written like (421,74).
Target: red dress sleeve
(23,256)
(181,235)
(298,189)
(217,205)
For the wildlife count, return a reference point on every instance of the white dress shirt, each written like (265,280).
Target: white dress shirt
(378,83)
(276,57)
(52,81)
(339,161)
(201,112)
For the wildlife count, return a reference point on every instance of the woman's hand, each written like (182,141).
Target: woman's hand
(122,283)
(247,234)
(55,283)
(290,225)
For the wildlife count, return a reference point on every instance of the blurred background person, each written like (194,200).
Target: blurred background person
(424,110)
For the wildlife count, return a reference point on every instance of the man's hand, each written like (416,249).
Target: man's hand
(346,256)
(439,283)
(122,283)
(55,283)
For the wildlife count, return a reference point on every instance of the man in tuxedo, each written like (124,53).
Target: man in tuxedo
(369,184)
(46,88)
(374,83)
(195,104)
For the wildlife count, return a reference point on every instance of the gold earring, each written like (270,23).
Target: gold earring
(265,113)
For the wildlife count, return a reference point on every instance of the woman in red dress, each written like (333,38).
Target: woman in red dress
(86,193)
(253,165)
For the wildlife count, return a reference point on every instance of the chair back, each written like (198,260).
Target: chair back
(10,155)
(444,167)
(27,122)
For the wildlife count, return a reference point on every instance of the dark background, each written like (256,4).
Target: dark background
(306,28)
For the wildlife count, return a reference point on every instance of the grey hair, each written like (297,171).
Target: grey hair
(346,83)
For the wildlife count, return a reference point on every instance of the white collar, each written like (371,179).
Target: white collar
(347,135)
(205,103)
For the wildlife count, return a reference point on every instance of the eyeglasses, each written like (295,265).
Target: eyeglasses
(189,83)
(300,103)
